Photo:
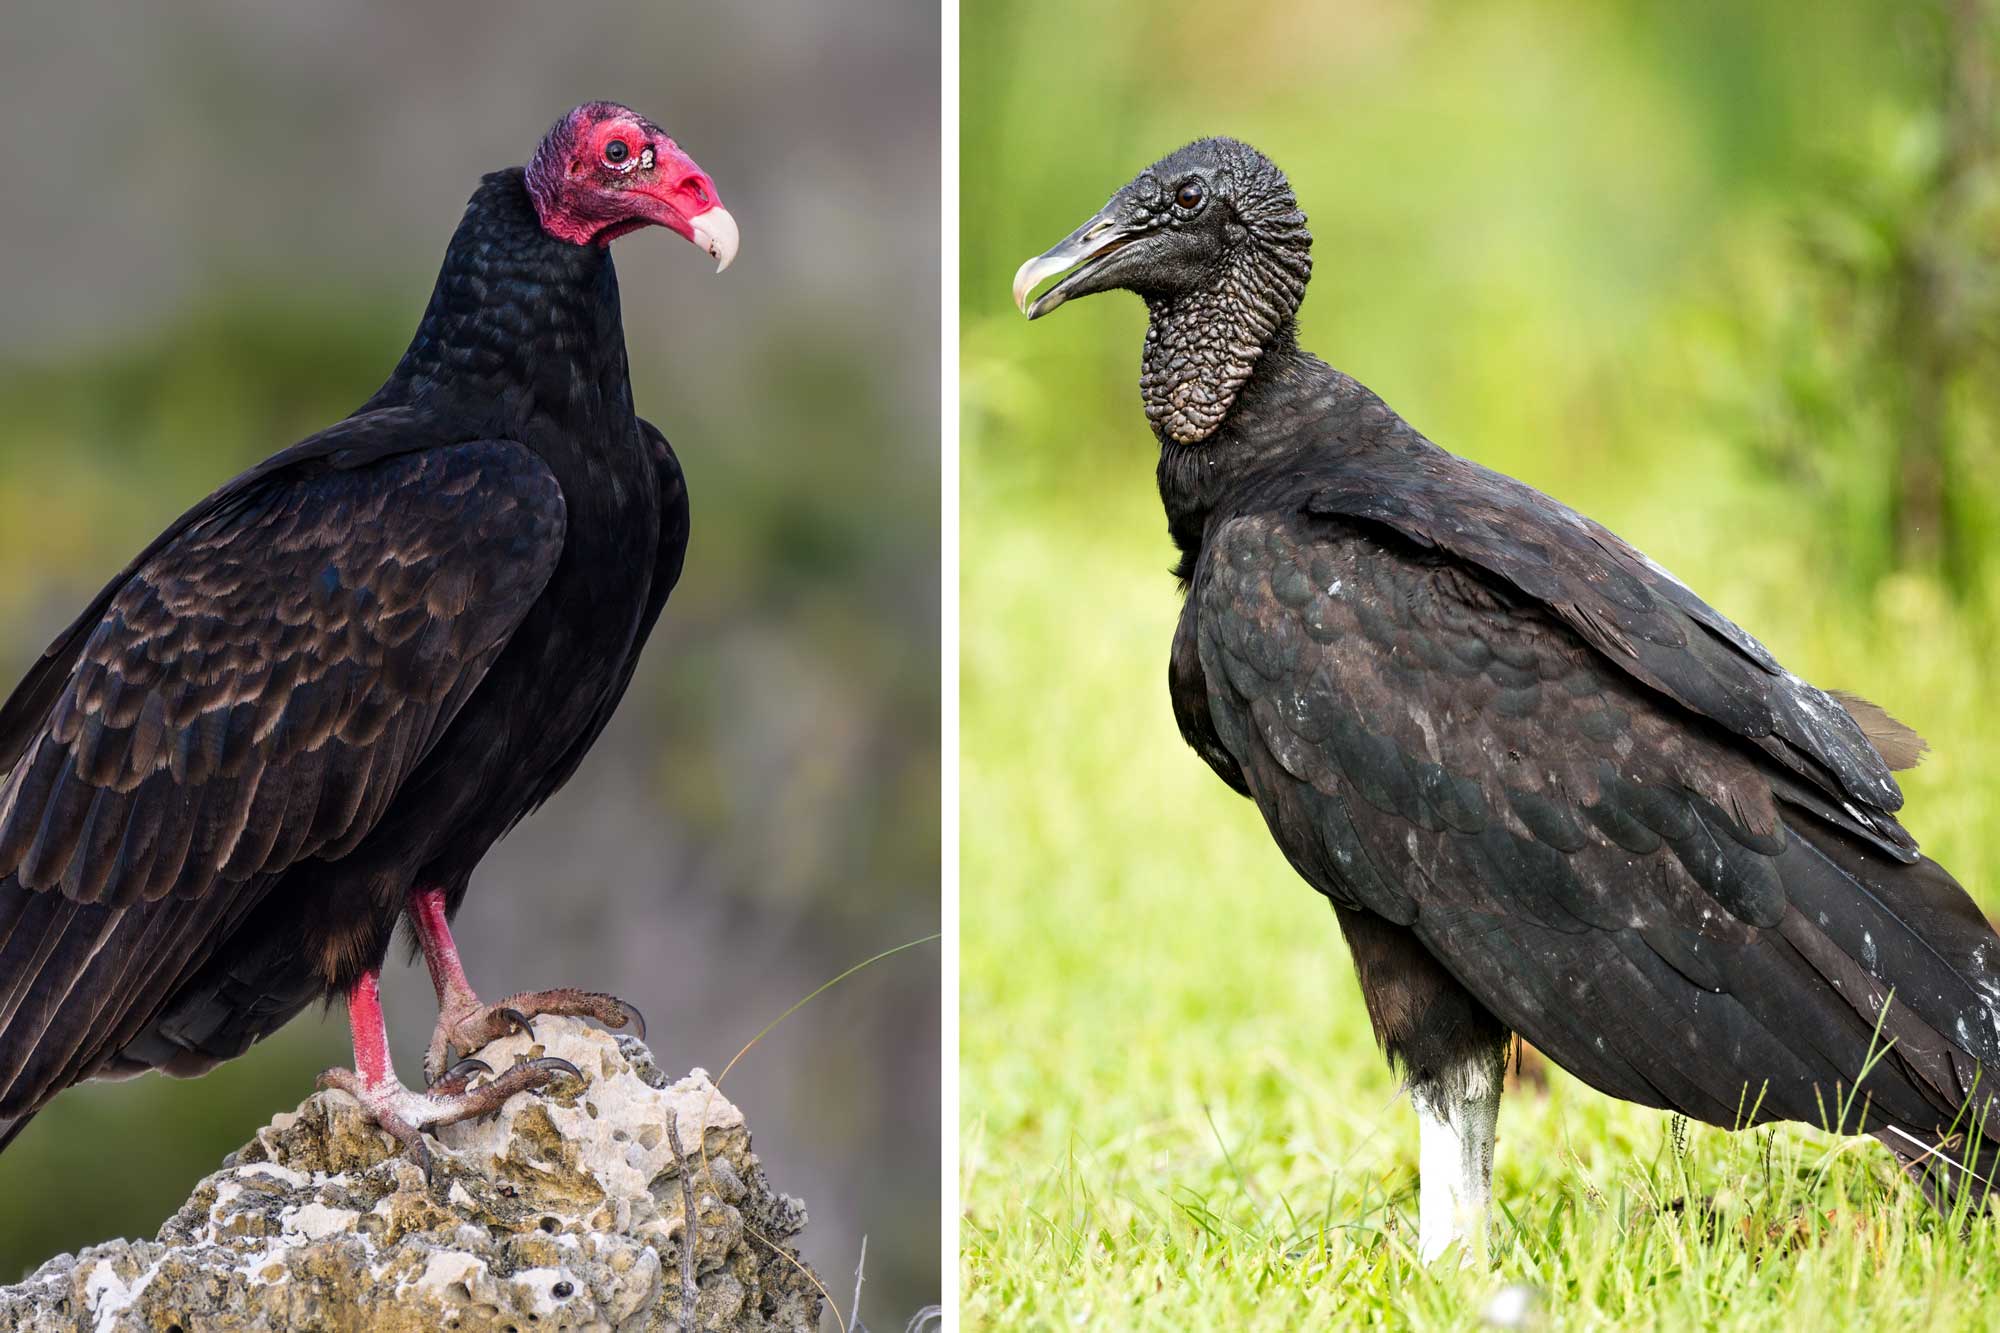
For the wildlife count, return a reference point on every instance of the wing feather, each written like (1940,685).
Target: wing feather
(250,694)
(1641,618)
(1603,865)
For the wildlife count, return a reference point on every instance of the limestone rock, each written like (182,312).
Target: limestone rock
(564,1211)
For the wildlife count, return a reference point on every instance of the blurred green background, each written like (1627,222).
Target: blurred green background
(221,224)
(1721,276)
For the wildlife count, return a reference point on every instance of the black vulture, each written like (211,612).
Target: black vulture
(311,705)
(1549,790)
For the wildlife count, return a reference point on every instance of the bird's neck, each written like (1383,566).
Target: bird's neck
(518,321)
(1196,475)
(1203,345)
(1292,405)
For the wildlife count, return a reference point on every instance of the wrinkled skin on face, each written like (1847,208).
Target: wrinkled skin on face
(1212,238)
(606,170)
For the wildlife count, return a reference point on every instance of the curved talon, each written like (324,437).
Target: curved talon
(635,1021)
(465,1025)
(519,1020)
(553,1064)
(455,1079)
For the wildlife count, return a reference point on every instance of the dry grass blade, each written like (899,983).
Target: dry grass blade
(716,1087)
(816,993)
(810,1276)
(690,1291)
(854,1323)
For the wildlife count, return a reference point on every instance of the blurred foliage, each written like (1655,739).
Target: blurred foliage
(1875,299)
(1655,260)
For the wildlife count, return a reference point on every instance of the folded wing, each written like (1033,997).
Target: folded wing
(251,694)
(1643,890)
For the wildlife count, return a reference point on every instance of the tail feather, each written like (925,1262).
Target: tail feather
(1910,925)
(1906,945)
(80,982)
(11,1127)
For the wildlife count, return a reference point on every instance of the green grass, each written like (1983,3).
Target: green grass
(1174,1115)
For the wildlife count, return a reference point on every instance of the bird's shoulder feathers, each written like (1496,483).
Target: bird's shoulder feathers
(255,686)
(1634,614)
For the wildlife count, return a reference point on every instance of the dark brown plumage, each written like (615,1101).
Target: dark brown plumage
(1549,790)
(319,697)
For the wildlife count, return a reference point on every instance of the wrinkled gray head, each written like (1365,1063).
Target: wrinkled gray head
(1214,240)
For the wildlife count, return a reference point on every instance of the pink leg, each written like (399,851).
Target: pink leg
(407,1114)
(468,1025)
(426,908)
(370,1031)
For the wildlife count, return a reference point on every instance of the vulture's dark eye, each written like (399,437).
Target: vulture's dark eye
(1189,196)
(617,151)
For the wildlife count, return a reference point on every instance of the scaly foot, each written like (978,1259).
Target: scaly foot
(410,1115)
(465,1025)
(450,1098)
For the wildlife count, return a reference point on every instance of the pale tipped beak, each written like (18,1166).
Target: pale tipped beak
(1030,275)
(715,232)
(1086,248)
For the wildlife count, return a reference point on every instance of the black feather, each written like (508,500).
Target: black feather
(345,673)
(1548,787)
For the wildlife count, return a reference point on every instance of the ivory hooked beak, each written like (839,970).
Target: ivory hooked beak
(1081,252)
(715,232)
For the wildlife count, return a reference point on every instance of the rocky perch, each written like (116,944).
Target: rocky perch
(564,1211)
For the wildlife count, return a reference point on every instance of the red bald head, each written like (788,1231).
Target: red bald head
(605,170)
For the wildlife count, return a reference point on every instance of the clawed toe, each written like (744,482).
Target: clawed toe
(516,1020)
(608,1010)
(466,1026)
(631,1015)
(409,1116)
(455,1079)
(552,1065)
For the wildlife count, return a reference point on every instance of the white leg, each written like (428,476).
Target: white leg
(1458,1116)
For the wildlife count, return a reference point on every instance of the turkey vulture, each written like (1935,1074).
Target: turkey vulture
(1549,790)
(311,705)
